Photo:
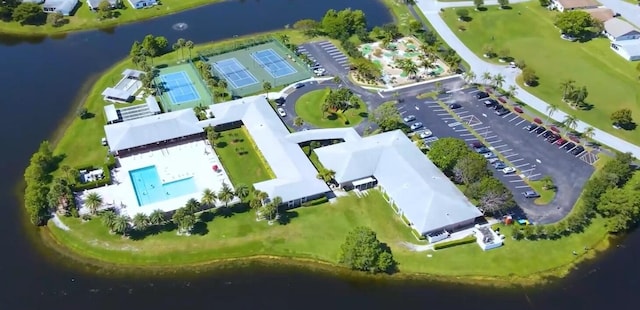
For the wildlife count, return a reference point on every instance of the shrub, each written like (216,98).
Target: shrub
(104,181)
(315,202)
(448,244)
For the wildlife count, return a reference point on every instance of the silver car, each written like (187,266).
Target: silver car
(416,125)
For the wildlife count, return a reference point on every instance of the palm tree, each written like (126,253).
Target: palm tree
(469,76)
(552,108)
(570,122)
(266,86)
(208,197)
(486,77)
(276,202)
(313,145)
(589,132)
(222,84)
(298,121)
(192,206)
(226,194)
(175,46)
(512,91)
(326,175)
(260,195)
(497,81)
(108,219)
(269,210)
(156,217)
(285,39)
(181,43)
(189,45)
(567,88)
(93,202)
(255,203)
(121,225)
(411,69)
(140,221)
(242,191)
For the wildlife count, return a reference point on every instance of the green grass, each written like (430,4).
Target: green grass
(84,19)
(612,82)
(309,108)
(241,160)
(317,233)
(313,157)
(546,195)
(400,12)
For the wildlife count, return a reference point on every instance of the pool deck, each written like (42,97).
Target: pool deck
(194,159)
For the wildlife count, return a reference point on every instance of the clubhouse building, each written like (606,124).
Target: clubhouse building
(175,144)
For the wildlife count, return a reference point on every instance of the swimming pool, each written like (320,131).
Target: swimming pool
(149,189)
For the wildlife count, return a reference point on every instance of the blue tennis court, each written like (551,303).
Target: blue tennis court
(273,63)
(179,87)
(235,73)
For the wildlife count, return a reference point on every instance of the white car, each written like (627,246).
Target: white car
(426,134)
(489,155)
(415,126)
(508,170)
(282,112)
(409,118)
(493,160)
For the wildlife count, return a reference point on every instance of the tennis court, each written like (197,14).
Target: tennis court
(273,63)
(179,87)
(235,73)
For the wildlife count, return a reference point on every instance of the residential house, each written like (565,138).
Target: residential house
(570,5)
(94,4)
(140,4)
(64,7)
(601,14)
(619,30)
(628,49)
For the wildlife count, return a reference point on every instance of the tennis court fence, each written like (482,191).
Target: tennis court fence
(197,75)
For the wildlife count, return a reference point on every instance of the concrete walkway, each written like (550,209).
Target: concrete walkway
(56,220)
(431,10)
(630,12)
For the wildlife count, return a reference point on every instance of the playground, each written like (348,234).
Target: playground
(388,58)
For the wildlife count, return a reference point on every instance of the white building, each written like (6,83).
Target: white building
(570,5)
(141,4)
(64,7)
(126,88)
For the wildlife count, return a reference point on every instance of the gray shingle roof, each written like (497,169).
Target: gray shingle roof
(617,27)
(152,129)
(428,199)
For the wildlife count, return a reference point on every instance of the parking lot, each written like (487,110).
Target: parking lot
(326,54)
(527,151)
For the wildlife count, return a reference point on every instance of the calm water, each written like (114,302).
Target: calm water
(40,82)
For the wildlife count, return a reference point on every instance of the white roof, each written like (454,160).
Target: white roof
(630,47)
(111,113)
(152,129)
(116,93)
(152,104)
(294,172)
(617,27)
(127,72)
(427,198)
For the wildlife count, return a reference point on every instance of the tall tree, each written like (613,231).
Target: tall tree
(226,194)
(589,132)
(156,217)
(189,45)
(242,191)
(552,108)
(622,118)
(387,117)
(108,219)
(470,168)
(497,80)
(140,221)
(446,152)
(28,13)
(478,4)
(575,23)
(570,122)
(93,202)
(486,77)
(121,225)
(363,251)
(567,87)
(208,197)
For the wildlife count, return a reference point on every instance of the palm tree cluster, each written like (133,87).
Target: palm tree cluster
(340,100)
(326,175)
(573,94)
(185,217)
(217,84)
(181,44)
(60,196)
(407,66)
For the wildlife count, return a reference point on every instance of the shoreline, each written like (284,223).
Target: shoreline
(10,29)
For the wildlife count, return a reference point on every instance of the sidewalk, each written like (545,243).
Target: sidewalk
(431,10)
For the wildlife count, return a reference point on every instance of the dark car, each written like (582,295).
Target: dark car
(490,103)
(530,194)
(553,138)
(454,106)
(579,149)
(547,134)
(483,150)
(280,101)
(540,130)
(481,95)
(299,85)
(499,165)
(531,127)
(476,144)
(569,146)
(502,112)
(498,107)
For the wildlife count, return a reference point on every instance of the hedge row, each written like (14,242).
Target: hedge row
(448,244)
(315,202)
(97,183)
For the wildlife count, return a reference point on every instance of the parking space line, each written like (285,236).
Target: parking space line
(495,141)
(443,114)
(516,181)
(447,118)
(498,146)
(466,134)
(506,115)
(510,155)
(439,110)
(490,137)
(462,112)
(470,139)
(460,130)
(434,106)
(534,175)
(516,160)
(528,170)
(522,186)
(523,165)
(520,122)
(482,128)
(515,118)
(511,175)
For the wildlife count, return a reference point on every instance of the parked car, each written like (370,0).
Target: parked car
(502,112)
(493,160)
(489,155)
(282,112)
(498,107)
(540,130)
(476,144)
(481,95)
(299,85)
(553,138)
(531,127)
(454,106)
(425,134)
(561,141)
(499,165)
(530,194)
(490,103)
(409,118)
(578,150)
(508,170)
(569,146)
(280,101)
(483,150)
(416,125)
(547,134)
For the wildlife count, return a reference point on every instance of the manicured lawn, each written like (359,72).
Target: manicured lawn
(546,195)
(85,19)
(240,159)
(313,157)
(309,108)
(528,32)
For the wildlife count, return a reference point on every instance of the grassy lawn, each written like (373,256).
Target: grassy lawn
(546,195)
(400,13)
(313,157)
(86,19)
(612,82)
(241,160)
(317,233)
(309,108)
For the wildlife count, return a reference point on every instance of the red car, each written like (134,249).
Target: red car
(501,99)
(518,109)
(561,142)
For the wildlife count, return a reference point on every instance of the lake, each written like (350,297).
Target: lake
(41,81)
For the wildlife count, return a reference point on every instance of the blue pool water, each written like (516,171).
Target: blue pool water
(149,189)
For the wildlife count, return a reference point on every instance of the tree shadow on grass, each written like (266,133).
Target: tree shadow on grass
(286,216)
(332,117)
(151,231)
(200,228)
(221,144)
(363,114)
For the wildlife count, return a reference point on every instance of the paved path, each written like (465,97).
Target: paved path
(629,11)
(431,9)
